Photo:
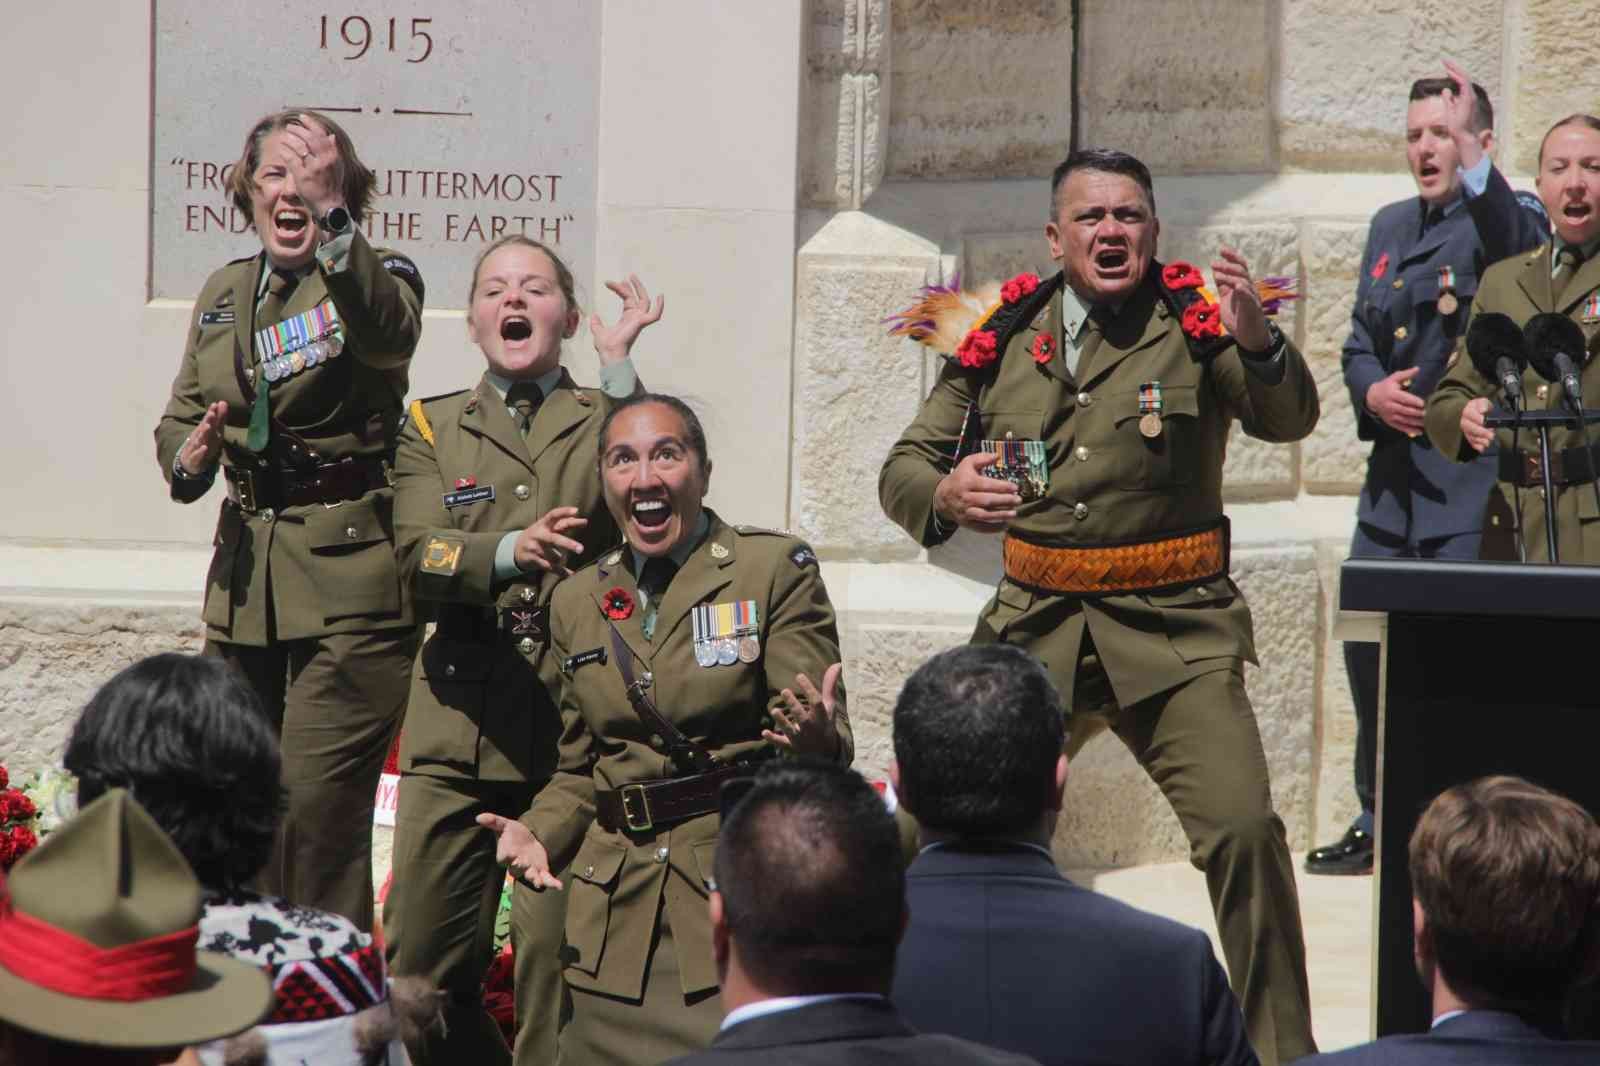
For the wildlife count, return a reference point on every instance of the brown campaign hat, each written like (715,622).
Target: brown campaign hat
(98,928)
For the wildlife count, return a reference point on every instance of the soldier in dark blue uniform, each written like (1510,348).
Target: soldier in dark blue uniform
(1418,276)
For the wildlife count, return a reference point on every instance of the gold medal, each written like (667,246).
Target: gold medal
(1150,425)
(1448,303)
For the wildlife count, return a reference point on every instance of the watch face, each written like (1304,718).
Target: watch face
(337,220)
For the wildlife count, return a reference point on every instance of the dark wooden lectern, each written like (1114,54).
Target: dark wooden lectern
(1487,668)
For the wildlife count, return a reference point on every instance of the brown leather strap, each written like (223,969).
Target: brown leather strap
(639,808)
(1162,564)
(686,754)
(270,487)
(1568,466)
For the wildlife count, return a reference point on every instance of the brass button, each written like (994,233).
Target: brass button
(1082,453)
(450,670)
(1399,283)
(525,645)
(527,594)
(350,532)
(1542,393)
(661,855)
(1010,435)
(588,871)
(656,742)
(268,514)
(1080,510)
(1084,399)
(1400,333)
(520,492)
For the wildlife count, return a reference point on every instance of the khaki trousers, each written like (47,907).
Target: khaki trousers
(1199,743)
(336,703)
(440,914)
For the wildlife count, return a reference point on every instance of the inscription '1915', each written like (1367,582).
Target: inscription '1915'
(356,32)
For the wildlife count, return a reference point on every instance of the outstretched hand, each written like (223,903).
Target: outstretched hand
(807,727)
(1459,106)
(204,443)
(1240,302)
(613,343)
(519,851)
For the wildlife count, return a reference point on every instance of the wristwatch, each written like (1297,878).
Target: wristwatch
(1274,343)
(336,221)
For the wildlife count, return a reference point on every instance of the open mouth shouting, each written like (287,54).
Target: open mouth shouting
(515,329)
(650,516)
(1112,262)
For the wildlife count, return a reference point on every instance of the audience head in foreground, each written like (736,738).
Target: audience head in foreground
(978,738)
(187,737)
(98,960)
(807,907)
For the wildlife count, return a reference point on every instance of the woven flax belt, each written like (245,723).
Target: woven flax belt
(1165,563)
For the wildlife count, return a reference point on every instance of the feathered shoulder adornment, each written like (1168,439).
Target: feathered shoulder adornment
(973,328)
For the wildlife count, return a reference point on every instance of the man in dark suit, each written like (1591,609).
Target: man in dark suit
(1506,910)
(1064,975)
(807,907)
(1419,274)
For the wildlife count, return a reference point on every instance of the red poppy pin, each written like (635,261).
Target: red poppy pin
(1018,287)
(1381,267)
(1181,275)
(1044,346)
(618,603)
(1202,319)
(977,349)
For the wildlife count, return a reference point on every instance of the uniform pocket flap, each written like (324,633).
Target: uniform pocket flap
(454,660)
(347,525)
(1214,592)
(1175,400)
(598,862)
(705,857)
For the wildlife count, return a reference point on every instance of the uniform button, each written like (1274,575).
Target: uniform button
(525,645)
(520,492)
(646,679)
(1084,399)
(1010,435)
(450,670)
(1202,591)
(268,514)
(656,742)
(527,594)
(1080,510)
(661,855)
(1400,333)
(1399,283)
(1082,453)
(350,532)
(588,871)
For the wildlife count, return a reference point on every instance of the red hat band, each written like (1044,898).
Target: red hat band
(55,959)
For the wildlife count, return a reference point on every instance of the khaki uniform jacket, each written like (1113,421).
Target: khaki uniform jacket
(483,702)
(617,880)
(1521,288)
(332,568)
(1108,483)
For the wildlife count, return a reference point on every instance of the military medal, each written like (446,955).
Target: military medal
(296,344)
(1447,291)
(1021,462)
(725,633)
(1150,409)
(749,649)
(1591,308)
(727,651)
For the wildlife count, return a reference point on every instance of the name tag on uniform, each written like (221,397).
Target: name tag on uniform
(1021,462)
(583,658)
(462,497)
(216,318)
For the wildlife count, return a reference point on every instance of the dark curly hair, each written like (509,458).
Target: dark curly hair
(188,737)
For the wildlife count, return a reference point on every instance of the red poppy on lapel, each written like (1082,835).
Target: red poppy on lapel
(618,603)
(1044,346)
(1381,267)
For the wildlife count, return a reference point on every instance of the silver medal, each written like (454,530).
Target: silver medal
(705,654)
(727,651)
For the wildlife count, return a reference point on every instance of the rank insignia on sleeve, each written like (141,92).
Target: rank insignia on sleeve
(802,556)
(442,555)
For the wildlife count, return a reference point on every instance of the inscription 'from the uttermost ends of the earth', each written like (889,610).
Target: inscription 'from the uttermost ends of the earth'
(475,127)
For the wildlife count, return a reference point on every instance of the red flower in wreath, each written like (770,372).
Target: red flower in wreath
(1181,275)
(5,778)
(1044,346)
(618,603)
(977,349)
(1202,319)
(1018,287)
(15,806)
(15,844)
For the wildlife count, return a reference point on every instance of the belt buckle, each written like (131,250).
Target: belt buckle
(245,481)
(1530,464)
(644,823)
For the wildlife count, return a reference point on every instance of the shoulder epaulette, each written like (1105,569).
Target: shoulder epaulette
(748,530)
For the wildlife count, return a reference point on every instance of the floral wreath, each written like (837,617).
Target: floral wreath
(617,603)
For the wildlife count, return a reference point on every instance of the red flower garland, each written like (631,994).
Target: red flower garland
(1018,287)
(5,778)
(1202,319)
(618,603)
(1181,275)
(1044,346)
(977,349)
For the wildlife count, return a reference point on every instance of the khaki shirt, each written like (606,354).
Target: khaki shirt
(1109,483)
(332,567)
(618,880)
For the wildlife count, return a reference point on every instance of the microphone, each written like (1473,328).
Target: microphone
(1499,351)
(1556,353)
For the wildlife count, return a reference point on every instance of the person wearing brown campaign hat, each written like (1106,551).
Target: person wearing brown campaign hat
(97,949)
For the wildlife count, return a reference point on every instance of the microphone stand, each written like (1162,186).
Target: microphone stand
(1542,421)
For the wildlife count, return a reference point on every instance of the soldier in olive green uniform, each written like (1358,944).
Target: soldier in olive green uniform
(1116,553)
(1560,277)
(293,378)
(714,622)
(473,478)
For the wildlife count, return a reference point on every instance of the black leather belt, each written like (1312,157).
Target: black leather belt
(271,487)
(638,808)
(1568,466)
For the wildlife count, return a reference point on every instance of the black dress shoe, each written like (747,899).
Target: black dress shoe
(1351,855)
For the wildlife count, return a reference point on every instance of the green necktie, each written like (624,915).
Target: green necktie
(279,286)
(653,581)
(524,398)
(1567,262)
